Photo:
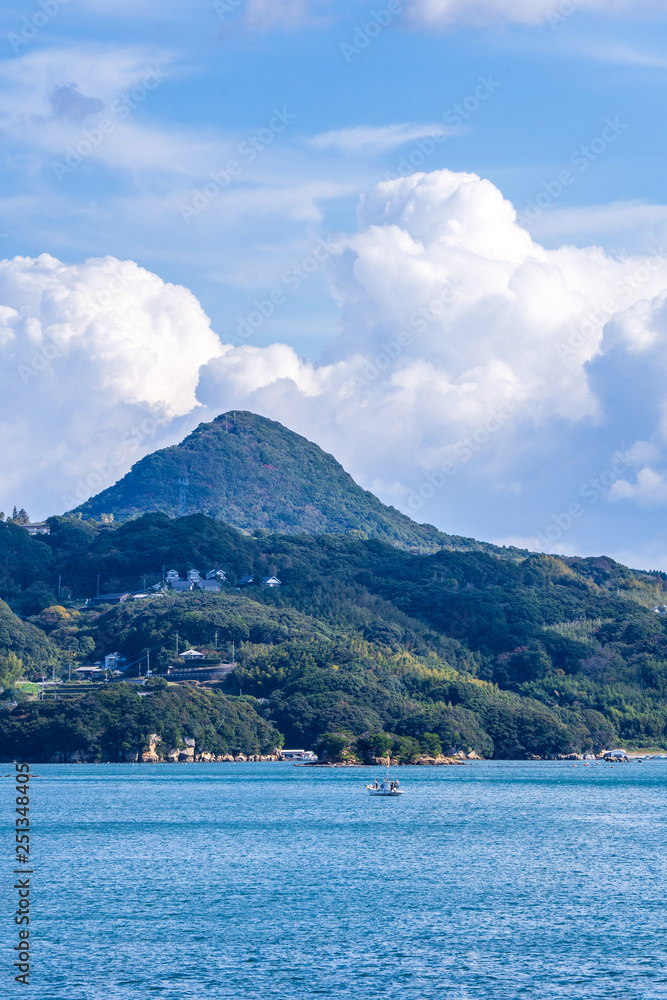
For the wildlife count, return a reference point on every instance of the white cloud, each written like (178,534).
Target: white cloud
(445,13)
(649,488)
(97,363)
(626,224)
(376,139)
(471,363)
(461,338)
(264,14)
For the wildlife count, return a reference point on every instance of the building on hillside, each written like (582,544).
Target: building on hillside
(194,575)
(271,581)
(210,586)
(182,585)
(192,654)
(246,581)
(90,673)
(38,528)
(172,576)
(217,574)
(216,672)
(114,661)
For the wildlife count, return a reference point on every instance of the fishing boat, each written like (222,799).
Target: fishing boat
(384,787)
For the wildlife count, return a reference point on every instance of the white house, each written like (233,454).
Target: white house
(38,528)
(271,581)
(193,575)
(172,576)
(216,574)
(307,755)
(191,654)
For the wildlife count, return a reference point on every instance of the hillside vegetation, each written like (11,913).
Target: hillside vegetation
(364,642)
(253,473)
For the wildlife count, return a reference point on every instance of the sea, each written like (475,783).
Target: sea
(266,881)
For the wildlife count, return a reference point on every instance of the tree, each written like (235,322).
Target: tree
(431,744)
(375,745)
(11,668)
(333,745)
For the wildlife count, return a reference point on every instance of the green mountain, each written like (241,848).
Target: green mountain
(253,473)
(365,645)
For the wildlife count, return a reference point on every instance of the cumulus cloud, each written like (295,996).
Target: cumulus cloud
(376,138)
(98,363)
(452,318)
(473,363)
(479,380)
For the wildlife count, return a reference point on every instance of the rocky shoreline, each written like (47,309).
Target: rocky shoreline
(187,754)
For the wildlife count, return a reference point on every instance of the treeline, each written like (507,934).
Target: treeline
(114,723)
(508,654)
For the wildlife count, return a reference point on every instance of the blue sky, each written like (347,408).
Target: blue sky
(314,105)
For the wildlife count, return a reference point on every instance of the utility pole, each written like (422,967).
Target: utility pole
(177,644)
(216,642)
(98,584)
(59,585)
(148,663)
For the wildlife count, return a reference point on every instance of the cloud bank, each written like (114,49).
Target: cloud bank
(97,363)
(479,381)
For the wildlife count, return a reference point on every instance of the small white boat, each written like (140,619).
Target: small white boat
(384,787)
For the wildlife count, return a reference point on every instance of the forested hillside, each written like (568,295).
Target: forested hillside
(507,654)
(253,473)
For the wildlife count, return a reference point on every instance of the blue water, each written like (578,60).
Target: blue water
(252,882)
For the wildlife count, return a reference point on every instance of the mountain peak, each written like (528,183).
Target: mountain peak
(254,473)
